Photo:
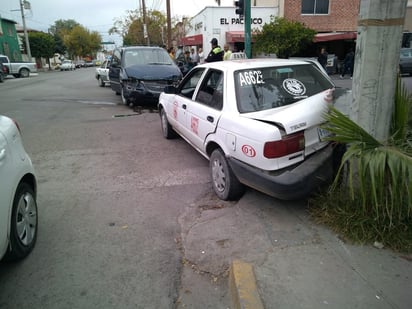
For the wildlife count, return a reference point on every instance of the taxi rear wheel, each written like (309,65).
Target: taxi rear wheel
(224,181)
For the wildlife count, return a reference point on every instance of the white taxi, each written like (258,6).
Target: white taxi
(18,186)
(257,121)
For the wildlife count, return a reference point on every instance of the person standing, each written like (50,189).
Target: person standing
(187,63)
(228,52)
(179,54)
(171,52)
(194,56)
(201,56)
(216,54)
(323,57)
(348,63)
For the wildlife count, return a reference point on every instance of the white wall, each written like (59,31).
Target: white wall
(214,22)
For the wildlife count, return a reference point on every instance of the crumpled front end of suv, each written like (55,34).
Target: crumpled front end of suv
(146,82)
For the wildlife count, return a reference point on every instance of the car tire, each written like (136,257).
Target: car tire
(167,129)
(125,101)
(24,73)
(23,227)
(224,182)
(100,81)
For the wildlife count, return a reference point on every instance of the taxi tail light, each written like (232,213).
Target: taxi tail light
(287,145)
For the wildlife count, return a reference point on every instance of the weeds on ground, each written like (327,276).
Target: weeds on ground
(371,198)
(354,223)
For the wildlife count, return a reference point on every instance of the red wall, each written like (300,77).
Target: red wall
(342,17)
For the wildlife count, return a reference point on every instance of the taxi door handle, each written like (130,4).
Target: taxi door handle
(210,119)
(184,106)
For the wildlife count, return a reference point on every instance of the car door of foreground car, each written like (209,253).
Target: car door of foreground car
(4,193)
(203,113)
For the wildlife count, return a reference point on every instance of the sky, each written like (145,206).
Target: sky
(95,15)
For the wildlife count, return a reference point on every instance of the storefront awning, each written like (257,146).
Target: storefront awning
(192,40)
(334,36)
(236,36)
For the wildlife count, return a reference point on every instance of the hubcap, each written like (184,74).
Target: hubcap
(164,121)
(218,175)
(26,219)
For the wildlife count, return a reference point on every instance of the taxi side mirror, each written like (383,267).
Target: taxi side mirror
(170,89)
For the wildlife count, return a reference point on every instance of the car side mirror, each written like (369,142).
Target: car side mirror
(170,89)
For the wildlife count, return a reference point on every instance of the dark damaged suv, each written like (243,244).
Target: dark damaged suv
(140,73)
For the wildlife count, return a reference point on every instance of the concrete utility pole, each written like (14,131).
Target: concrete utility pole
(169,24)
(378,45)
(26,36)
(145,31)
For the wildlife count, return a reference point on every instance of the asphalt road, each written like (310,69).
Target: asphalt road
(128,219)
(110,193)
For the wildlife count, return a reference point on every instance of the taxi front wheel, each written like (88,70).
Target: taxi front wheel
(167,129)
(225,183)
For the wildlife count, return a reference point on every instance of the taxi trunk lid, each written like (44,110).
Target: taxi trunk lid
(305,115)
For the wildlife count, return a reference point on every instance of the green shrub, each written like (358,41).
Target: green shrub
(371,197)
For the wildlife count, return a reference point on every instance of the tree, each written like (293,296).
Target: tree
(130,28)
(81,42)
(59,29)
(282,37)
(42,45)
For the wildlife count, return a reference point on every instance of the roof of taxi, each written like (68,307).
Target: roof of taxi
(252,63)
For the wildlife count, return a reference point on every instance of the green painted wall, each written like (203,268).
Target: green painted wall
(9,43)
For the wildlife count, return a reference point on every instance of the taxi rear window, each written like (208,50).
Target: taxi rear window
(271,87)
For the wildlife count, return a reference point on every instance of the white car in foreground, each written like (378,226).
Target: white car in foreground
(257,121)
(18,207)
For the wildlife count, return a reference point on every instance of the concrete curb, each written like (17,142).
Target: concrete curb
(242,287)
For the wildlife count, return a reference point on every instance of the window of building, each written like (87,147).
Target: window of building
(315,6)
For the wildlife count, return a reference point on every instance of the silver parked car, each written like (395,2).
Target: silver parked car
(102,73)
(67,65)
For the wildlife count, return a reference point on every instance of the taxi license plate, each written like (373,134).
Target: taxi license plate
(323,134)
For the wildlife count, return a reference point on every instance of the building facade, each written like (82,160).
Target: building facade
(9,42)
(334,20)
(225,25)
(323,15)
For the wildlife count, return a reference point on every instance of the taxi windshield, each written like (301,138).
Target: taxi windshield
(270,87)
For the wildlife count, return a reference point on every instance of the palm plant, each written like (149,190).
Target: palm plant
(375,196)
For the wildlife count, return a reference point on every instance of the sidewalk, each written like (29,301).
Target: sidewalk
(312,268)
